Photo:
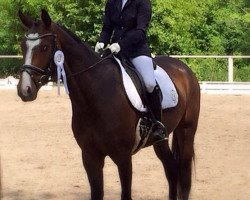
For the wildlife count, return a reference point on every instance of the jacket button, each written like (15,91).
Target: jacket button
(122,27)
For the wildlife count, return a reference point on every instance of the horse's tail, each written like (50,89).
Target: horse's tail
(184,157)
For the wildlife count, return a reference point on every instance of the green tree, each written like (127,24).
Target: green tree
(177,27)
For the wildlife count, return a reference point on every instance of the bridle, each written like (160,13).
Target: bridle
(45,75)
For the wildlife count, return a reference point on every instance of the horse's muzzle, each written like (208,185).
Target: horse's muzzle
(27,90)
(27,95)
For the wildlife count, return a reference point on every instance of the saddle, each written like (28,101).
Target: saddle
(135,88)
(134,75)
(136,78)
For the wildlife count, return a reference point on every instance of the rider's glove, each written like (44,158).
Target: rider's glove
(115,48)
(99,46)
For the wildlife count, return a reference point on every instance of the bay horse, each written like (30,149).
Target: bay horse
(103,121)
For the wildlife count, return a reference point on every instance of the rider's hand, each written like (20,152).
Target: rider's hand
(99,46)
(115,48)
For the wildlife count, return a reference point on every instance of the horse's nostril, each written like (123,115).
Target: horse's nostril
(28,90)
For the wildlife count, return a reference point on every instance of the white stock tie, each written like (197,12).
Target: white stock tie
(123,3)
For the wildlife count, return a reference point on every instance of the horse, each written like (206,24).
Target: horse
(103,121)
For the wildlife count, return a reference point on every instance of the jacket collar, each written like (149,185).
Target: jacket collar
(119,4)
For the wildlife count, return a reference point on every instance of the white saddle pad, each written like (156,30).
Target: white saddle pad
(170,95)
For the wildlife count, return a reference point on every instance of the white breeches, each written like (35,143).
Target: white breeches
(144,65)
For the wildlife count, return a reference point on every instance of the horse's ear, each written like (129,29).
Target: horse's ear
(25,19)
(46,18)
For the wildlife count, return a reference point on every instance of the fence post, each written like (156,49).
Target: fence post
(230,69)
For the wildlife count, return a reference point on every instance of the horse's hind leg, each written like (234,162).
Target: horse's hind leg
(94,167)
(170,166)
(183,150)
(183,144)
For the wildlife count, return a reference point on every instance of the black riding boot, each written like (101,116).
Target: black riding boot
(154,103)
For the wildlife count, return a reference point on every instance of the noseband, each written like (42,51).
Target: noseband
(44,74)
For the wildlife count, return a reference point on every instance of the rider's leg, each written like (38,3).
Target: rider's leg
(144,65)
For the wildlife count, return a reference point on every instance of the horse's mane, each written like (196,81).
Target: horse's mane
(76,38)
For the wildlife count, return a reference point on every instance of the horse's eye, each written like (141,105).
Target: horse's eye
(44,48)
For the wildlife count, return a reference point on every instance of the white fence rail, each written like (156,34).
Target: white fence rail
(209,87)
(230,65)
(10,56)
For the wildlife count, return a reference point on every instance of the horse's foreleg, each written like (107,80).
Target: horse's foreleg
(94,167)
(124,164)
(170,166)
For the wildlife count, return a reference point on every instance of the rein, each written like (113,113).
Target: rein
(90,67)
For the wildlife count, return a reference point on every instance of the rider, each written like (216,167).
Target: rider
(127,22)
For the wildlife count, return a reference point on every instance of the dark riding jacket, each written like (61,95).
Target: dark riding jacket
(127,26)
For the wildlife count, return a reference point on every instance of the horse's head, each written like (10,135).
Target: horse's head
(38,48)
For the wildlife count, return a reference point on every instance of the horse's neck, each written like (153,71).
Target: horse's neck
(77,57)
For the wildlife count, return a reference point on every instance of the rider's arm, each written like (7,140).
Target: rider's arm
(107,28)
